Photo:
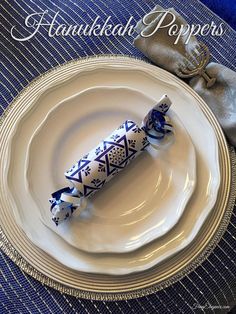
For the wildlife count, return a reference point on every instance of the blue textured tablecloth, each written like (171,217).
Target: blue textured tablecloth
(226,9)
(212,286)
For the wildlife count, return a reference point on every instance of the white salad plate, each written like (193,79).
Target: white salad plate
(160,181)
(32,110)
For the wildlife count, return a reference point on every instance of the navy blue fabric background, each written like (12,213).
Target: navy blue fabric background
(226,9)
(211,284)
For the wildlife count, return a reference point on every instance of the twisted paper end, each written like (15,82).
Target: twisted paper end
(64,202)
(156,125)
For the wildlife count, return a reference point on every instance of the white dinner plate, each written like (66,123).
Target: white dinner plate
(112,72)
(159,181)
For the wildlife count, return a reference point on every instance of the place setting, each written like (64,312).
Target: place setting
(116,176)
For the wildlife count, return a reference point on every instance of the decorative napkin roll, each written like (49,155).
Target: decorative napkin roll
(108,158)
(160,47)
(169,52)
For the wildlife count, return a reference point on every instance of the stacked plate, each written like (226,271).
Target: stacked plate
(152,222)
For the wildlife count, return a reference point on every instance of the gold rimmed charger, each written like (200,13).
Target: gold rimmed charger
(16,245)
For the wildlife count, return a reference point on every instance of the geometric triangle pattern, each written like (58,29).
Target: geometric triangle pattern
(112,155)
